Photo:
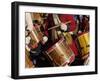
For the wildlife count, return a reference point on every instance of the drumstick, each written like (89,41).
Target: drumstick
(59,25)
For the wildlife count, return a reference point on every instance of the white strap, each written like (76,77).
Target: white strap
(56,19)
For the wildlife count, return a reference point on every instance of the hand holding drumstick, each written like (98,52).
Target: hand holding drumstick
(60,24)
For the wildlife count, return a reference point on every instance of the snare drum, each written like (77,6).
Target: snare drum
(60,53)
(83,44)
(36,36)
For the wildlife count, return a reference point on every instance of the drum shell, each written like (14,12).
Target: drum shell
(83,44)
(60,53)
(36,36)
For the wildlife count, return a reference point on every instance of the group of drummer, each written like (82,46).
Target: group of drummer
(56,40)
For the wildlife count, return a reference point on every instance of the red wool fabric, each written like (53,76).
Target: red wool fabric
(65,17)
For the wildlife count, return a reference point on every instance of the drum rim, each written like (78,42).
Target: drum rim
(82,34)
(52,46)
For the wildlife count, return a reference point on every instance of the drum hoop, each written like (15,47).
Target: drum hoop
(83,33)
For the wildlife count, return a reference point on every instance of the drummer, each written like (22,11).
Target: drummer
(35,49)
(67,25)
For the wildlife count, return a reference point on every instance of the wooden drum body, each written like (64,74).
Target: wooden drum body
(60,53)
(83,44)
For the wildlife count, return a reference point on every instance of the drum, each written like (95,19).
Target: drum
(36,36)
(33,29)
(60,53)
(83,44)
